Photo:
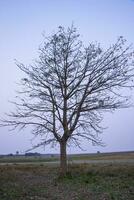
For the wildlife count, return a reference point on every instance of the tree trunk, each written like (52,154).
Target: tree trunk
(63,159)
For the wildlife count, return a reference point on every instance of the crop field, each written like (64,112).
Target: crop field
(41,181)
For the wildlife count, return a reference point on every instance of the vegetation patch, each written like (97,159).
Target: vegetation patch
(82,182)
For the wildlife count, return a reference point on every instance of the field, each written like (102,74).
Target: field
(41,181)
(83,158)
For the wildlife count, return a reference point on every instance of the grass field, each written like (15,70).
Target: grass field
(35,178)
(25,159)
(86,157)
(83,182)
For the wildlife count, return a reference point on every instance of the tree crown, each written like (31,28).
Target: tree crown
(65,92)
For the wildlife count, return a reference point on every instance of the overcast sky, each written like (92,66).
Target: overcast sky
(21,26)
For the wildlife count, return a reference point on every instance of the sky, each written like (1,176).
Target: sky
(21,26)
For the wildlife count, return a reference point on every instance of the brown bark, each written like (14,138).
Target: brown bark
(63,159)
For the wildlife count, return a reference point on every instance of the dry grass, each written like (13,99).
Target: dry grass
(105,156)
(85,157)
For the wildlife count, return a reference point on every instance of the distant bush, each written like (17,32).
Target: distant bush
(32,154)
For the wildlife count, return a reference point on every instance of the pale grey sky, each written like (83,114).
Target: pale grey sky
(21,26)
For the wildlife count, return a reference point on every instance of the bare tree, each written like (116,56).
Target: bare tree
(65,92)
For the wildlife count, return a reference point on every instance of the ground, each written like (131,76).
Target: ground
(83,182)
